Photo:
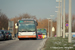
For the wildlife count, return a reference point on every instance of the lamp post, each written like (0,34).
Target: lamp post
(70,21)
(59,21)
(57,24)
(61,18)
(0,12)
(51,25)
(51,28)
(64,20)
(48,27)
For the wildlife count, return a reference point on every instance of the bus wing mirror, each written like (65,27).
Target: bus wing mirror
(17,24)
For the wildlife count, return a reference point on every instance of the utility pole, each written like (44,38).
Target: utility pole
(59,21)
(0,12)
(51,26)
(57,25)
(64,20)
(48,28)
(61,17)
(70,22)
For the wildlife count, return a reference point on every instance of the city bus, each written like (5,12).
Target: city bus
(43,31)
(27,28)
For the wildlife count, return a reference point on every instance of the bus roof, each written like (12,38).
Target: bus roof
(41,29)
(28,19)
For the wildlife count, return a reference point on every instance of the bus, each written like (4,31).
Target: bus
(43,31)
(27,28)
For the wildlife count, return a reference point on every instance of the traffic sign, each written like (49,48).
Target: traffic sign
(66,25)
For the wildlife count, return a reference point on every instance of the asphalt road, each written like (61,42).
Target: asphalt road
(20,44)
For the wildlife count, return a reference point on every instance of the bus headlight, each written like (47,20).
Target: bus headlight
(34,33)
(19,34)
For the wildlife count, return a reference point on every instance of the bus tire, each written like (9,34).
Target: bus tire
(3,39)
(35,38)
(20,39)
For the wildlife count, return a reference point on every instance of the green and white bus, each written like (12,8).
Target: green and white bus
(43,31)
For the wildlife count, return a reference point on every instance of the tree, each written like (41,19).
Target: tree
(43,23)
(3,21)
(15,19)
(73,22)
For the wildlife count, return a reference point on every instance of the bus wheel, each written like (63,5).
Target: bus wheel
(3,39)
(20,39)
(35,38)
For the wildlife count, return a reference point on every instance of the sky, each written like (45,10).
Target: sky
(39,8)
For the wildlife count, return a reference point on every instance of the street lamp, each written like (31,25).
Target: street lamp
(70,21)
(51,28)
(58,0)
(57,32)
(64,20)
(59,18)
(51,25)
(51,15)
(57,7)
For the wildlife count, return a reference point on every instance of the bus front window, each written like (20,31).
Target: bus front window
(42,31)
(26,27)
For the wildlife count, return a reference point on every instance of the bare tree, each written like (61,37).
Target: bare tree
(3,21)
(20,17)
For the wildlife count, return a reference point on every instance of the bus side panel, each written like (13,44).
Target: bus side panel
(27,35)
(31,36)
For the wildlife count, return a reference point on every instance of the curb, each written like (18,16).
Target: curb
(14,38)
(42,44)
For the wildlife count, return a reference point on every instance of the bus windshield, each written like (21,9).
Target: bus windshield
(42,31)
(26,27)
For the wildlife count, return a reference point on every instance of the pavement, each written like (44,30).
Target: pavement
(42,44)
(22,44)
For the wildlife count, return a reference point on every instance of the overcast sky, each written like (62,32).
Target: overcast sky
(39,8)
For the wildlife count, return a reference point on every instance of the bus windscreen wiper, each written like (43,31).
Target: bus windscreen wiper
(31,31)
(22,31)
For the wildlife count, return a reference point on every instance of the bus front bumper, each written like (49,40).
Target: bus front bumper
(31,36)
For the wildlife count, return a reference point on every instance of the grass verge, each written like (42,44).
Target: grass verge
(56,43)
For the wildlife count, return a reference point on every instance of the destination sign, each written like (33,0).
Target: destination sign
(26,22)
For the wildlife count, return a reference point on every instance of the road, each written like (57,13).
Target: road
(20,44)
